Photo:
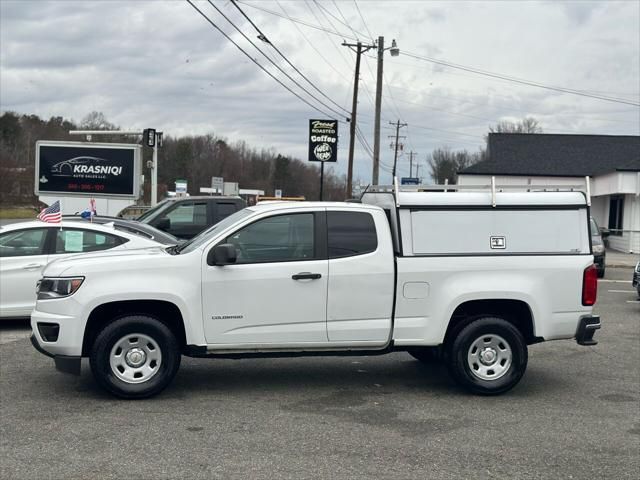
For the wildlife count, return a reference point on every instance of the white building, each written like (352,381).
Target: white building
(611,162)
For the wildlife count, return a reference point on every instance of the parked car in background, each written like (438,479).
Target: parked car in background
(636,278)
(27,247)
(599,251)
(186,217)
(131,226)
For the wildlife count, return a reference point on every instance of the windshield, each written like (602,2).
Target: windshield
(211,232)
(153,212)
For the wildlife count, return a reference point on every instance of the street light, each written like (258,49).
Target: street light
(394,51)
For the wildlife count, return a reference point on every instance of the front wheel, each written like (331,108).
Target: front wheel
(488,356)
(135,357)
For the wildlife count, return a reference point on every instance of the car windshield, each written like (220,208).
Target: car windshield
(211,232)
(153,212)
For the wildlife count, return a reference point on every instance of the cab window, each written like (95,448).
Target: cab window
(189,213)
(23,243)
(350,233)
(282,238)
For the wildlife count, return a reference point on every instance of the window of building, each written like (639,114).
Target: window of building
(616,214)
(350,233)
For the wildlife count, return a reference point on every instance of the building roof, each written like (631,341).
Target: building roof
(540,154)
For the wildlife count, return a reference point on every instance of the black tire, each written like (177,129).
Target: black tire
(128,327)
(601,273)
(426,355)
(489,328)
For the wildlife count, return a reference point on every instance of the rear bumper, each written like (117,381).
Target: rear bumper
(587,327)
(64,363)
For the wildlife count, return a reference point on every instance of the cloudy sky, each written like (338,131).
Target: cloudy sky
(160,64)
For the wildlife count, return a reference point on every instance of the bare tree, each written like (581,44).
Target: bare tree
(444,164)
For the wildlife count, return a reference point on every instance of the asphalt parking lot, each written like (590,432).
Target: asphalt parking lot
(576,414)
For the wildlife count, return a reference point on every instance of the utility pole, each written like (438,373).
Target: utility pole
(411,154)
(398,125)
(394,51)
(376,126)
(417,169)
(359,49)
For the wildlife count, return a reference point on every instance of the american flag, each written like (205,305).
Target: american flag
(51,214)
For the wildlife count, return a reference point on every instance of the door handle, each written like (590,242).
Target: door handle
(32,266)
(306,276)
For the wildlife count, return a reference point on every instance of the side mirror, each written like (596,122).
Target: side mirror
(163,224)
(224,254)
(604,232)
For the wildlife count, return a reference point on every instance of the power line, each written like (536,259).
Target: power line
(286,16)
(356,33)
(253,60)
(363,21)
(530,83)
(275,64)
(265,39)
(296,20)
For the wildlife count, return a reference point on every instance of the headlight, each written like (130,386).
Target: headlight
(598,249)
(49,288)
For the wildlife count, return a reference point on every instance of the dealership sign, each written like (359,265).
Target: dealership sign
(91,169)
(323,140)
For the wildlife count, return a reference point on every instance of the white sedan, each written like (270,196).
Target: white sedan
(26,247)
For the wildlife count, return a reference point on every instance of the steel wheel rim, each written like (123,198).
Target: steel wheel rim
(489,357)
(135,358)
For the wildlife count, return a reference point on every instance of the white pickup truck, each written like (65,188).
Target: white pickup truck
(470,278)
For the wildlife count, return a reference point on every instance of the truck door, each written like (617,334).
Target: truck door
(276,292)
(361,277)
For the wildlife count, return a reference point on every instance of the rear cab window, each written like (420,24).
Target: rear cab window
(350,233)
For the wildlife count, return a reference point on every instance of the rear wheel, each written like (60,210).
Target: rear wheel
(488,356)
(135,357)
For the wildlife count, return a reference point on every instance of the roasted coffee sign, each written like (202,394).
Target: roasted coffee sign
(93,169)
(323,140)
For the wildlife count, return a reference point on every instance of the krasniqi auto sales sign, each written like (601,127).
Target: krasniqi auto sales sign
(87,168)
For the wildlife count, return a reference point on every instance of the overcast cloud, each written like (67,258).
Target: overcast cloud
(160,64)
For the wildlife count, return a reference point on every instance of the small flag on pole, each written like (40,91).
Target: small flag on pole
(51,214)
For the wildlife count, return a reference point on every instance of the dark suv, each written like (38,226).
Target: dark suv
(186,217)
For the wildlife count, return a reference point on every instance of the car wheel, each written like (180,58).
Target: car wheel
(135,357)
(488,356)
(427,355)
(601,273)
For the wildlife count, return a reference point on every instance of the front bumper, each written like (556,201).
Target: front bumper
(64,363)
(586,330)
